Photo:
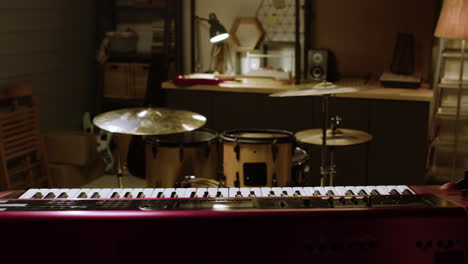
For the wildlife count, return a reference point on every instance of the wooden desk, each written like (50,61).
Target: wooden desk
(397,118)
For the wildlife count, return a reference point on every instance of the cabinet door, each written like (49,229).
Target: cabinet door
(116,80)
(140,77)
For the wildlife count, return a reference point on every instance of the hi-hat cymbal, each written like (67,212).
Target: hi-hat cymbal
(149,121)
(340,137)
(318,89)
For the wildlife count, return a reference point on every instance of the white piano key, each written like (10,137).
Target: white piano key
(212,192)
(136,191)
(157,193)
(402,188)
(257,191)
(340,190)
(393,188)
(169,193)
(288,190)
(190,192)
(352,189)
(200,192)
(265,191)
(308,191)
(298,191)
(72,193)
(244,191)
(321,191)
(383,190)
(224,192)
(105,193)
(29,194)
(180,192)
(233,192)
(361,188)
(277,191)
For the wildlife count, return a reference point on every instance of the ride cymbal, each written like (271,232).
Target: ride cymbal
(322,88)
(339,137)
(149,121)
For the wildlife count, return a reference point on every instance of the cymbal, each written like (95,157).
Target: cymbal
(149,121)
(340,137)
(318,89)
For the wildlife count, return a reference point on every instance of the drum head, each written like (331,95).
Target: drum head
(191,138)
(256,136)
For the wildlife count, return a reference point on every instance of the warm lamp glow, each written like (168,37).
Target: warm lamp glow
(453,20)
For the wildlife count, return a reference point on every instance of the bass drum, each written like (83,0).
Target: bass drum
(169,158)
(255,157)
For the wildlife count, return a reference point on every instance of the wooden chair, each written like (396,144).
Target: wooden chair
(23,162)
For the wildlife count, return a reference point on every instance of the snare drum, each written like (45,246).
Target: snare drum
(169,158)
(256,157)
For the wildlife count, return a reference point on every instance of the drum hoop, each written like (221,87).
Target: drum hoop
(153,140)
(230,135)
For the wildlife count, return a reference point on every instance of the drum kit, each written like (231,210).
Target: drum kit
(179,153)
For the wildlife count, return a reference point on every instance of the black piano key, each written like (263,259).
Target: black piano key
(362,192)
(173,195)
(96,195)
(140,195)
(218,194)
(192,195)
(297,193)
(350,192)
(317,193)
(330,193)
(252,194)
(82,195)
(272,193)
(63,195)
(160,194)
(375,192)
(127,195)
(206,194)
(394,192)
(407,192)
(238,194)
(37,195)
(49,195)
(284,193)
(115,195)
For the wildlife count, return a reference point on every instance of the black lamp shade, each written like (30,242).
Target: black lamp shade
(218,32)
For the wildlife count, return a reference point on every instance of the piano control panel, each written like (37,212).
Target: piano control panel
(150,199)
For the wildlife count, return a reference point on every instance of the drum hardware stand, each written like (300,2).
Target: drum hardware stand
(120,169)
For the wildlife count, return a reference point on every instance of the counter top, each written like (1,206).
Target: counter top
(367,90)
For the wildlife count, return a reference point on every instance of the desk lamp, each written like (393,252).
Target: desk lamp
(218,32)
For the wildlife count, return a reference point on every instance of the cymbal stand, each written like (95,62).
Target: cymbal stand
(324,167)
(334,125)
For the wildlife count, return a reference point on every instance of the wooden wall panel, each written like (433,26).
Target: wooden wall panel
(51,43)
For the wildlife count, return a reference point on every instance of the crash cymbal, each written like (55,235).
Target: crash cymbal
(340,137)
(318,89)
(149,121)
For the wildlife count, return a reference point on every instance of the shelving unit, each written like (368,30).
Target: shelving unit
(158,24)
(448,155)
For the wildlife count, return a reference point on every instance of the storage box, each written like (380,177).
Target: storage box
(70,176)
(71,147)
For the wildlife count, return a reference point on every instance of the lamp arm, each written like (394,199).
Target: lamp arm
(201,18)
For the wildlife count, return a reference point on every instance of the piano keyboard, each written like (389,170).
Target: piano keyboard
(136,193)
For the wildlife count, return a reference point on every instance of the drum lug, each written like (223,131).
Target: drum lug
(237,150)
(154,150)
(181,152)
(207,150)
(237,181)
(274,149)
(274,181)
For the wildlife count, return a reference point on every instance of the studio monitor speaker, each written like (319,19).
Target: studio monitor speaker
(318,64)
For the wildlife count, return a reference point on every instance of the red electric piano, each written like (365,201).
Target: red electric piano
(341,224)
